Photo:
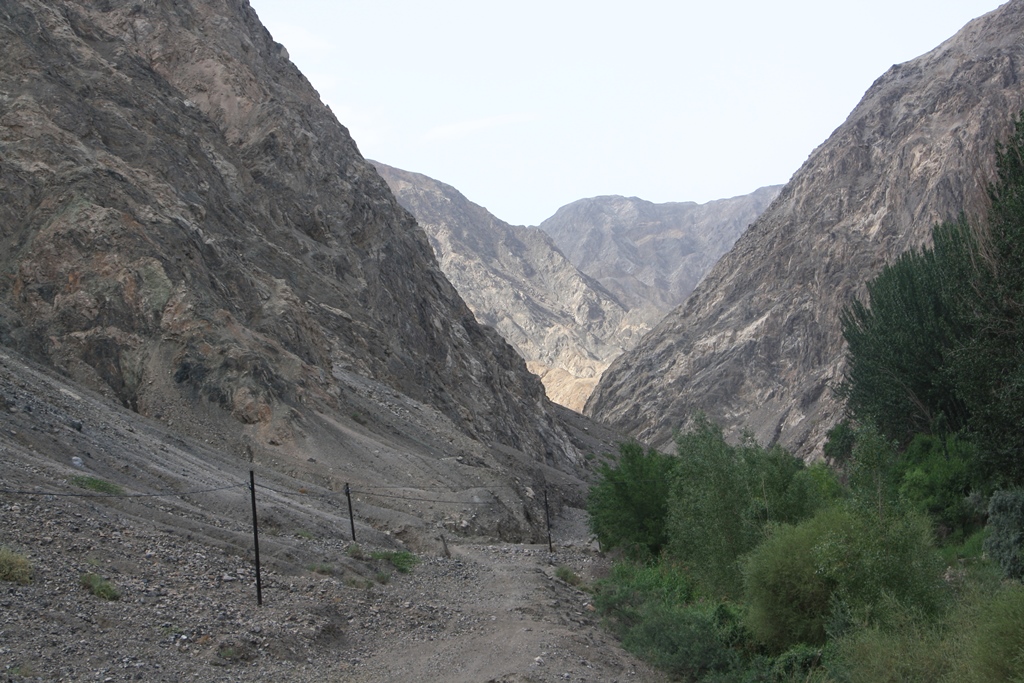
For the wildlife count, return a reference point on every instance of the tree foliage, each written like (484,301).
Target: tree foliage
(629,505)
(900,340)
(723,497)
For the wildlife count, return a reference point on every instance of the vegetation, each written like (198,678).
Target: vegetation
(323,568)
(901,560)
(568,575)
(100,587)
(96,484)
(14,567)
(402,560)
(628,508)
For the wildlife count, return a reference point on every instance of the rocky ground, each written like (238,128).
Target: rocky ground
(187,610)
(178,548)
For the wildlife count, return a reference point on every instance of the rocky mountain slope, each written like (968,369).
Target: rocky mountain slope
(641,259)
(651,256)
(187,228)
(176,543)
(566,326)
(758,345)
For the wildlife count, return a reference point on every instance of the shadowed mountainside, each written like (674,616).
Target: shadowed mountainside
(189,230)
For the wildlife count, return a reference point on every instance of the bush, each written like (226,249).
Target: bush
(568,575)
(96,484)
(996,648)
(843,555)
(100,587)
(724,496)
(936,479)
(1005,542)
(788,600)
(629,505)
(900,653)
(620,596)
(682,640)
(14,567)
(401,560)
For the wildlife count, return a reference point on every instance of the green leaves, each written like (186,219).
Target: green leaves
(899,343)
(629,505)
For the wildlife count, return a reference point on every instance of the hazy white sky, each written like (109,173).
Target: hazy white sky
(526,106)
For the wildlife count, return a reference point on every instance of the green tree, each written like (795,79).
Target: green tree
(899,341)
(628,505)
(724,496)
(989,368)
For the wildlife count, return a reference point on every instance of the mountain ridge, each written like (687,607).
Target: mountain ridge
(566,323)
(758,343)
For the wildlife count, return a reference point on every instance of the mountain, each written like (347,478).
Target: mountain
(758,345)
(190,231)
(651,256)
(514,278)
(640,258)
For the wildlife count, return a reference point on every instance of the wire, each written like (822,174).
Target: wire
(120,495)
(421,500)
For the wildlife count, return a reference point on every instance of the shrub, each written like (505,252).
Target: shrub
(788,600)
(568,575)
(14,567)
(1005,542)
(996,648)
(900,653)
(795,577)
(355,551)
(629,504)
(683,640)
(620,596)
(100,587)
(322,568)
(97,484)
(401,560)
(936,479)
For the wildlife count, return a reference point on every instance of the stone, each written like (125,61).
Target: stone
(758,345)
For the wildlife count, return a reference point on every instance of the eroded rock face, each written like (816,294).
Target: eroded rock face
(651,256)
(184,220)
(758,344)
(514,278)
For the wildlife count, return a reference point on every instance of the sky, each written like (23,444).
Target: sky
(527,106)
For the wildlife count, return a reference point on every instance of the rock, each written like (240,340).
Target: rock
(210,235)
(758,345)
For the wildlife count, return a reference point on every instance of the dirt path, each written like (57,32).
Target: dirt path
(508,618)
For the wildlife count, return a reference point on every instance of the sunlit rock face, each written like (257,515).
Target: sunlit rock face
(758,345)
(565,325)
(640,259)
(651,256)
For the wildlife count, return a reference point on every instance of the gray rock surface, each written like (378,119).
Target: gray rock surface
(175,541)
(563,323)
(758,344)
(651,256)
